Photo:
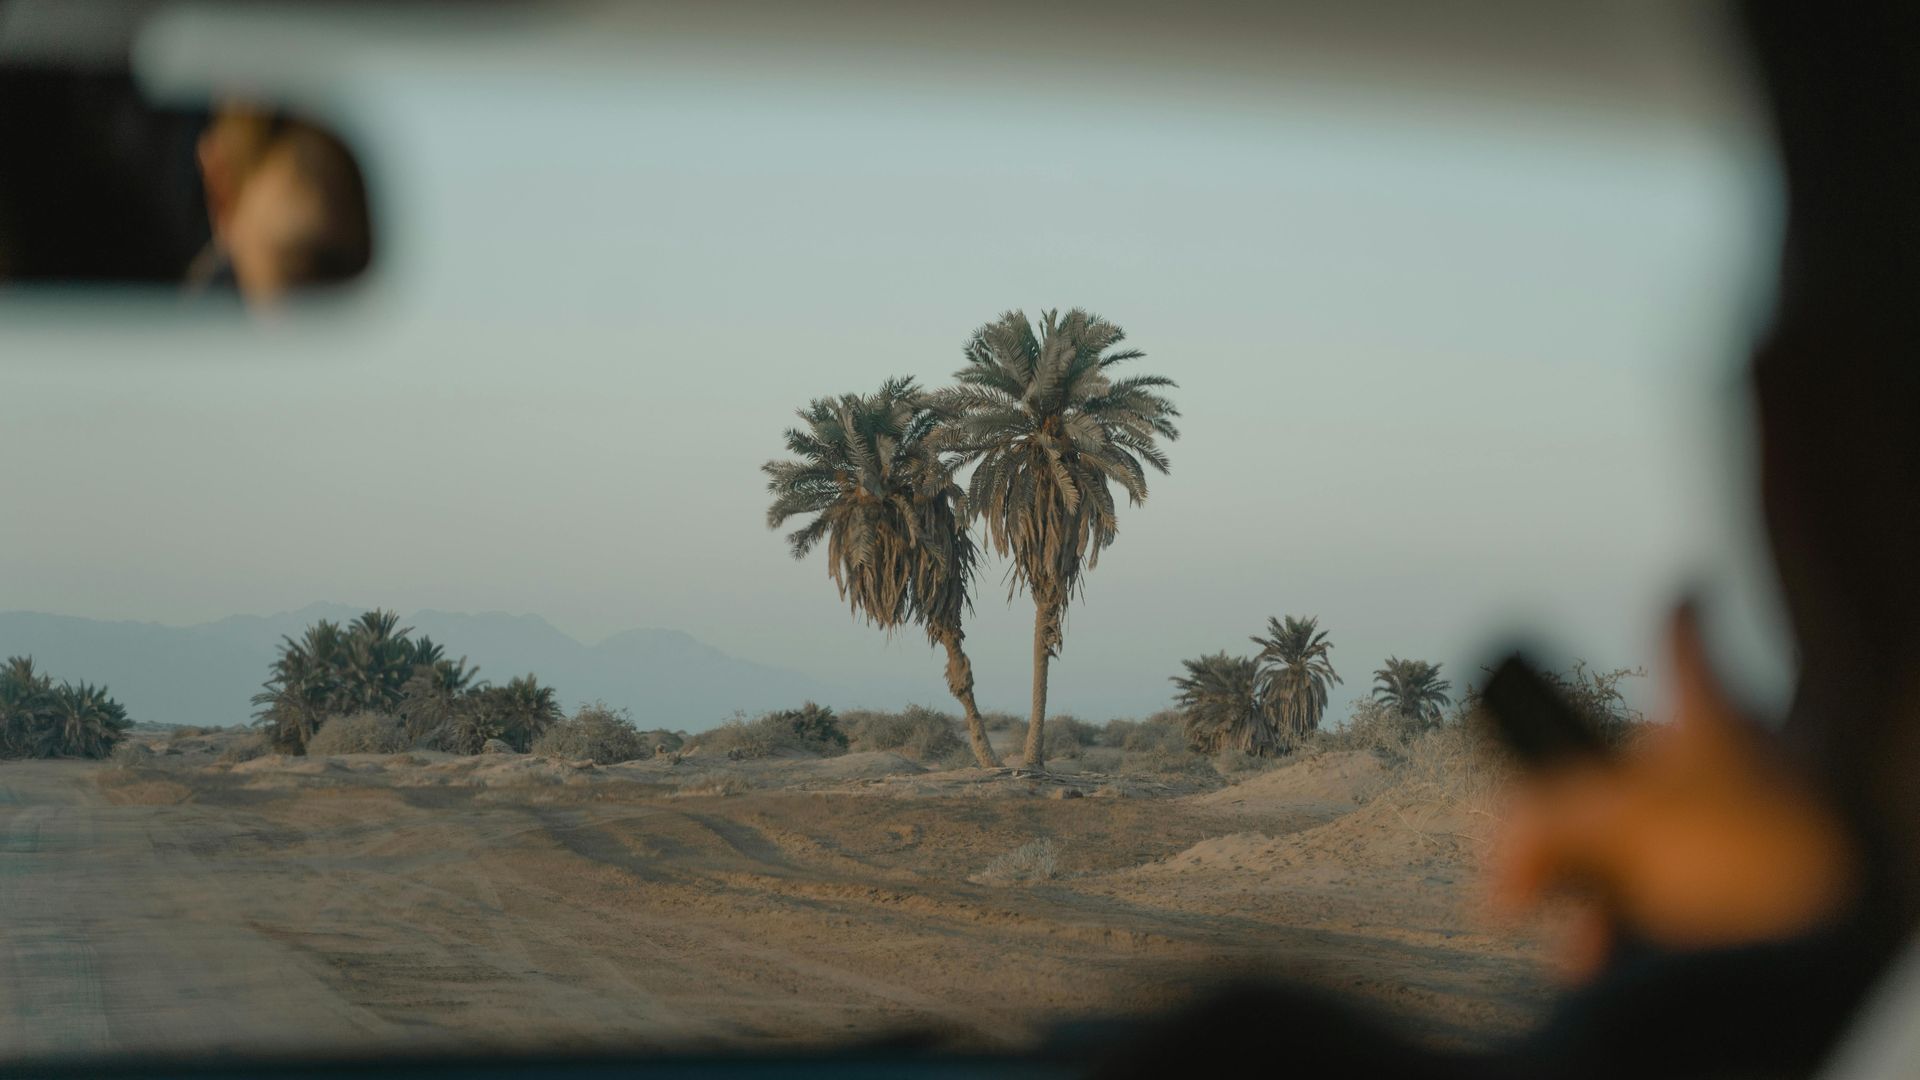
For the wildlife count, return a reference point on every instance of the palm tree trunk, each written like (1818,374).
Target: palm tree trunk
(960,683)
(1044,638)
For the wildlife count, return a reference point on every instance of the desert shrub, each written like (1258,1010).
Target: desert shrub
(714,783)
(926,734)
(129,754)
(814,726)
(360,733)
(1371,725)
(1101,758)
(595,733)
(1065,736)
(1030,862)
(189,731)
(1595,695)
(246,748)
(1002,721)
(766,736)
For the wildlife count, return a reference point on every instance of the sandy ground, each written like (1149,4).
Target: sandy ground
(420,900)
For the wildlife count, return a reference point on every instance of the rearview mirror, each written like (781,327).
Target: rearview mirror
(102,186)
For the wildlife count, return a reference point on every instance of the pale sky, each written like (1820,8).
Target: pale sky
(1444,372)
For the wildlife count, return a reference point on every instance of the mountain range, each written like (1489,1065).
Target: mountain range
(206,674)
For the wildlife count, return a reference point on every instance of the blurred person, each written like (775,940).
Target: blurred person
(287,206)
(1746,897)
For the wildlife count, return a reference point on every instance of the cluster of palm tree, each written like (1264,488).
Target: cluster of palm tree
(1263,704)
(42,719)
(1049,432)
(373,664)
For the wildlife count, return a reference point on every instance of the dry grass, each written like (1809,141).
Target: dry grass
(246,748)
(1029,863)
(713,784)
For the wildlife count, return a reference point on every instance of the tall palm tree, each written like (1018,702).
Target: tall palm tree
(1050,430)
(1412,688)
(1296,673)
(883,498)
(1220,698)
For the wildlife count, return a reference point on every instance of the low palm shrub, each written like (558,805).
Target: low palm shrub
(42,719)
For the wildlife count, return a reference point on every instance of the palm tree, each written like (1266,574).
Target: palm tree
(379,659)
(1412,688)
(522,709)
(39,719)
(433,693)
(1296,673)
(1050,430)
(86,722)
(1220,696)
(26,707)
(304,686)
(883,498)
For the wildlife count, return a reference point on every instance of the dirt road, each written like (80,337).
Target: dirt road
(147,910)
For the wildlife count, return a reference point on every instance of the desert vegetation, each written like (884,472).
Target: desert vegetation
(394,690)
(43,719)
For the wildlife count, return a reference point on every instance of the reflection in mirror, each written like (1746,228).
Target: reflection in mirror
(236,198)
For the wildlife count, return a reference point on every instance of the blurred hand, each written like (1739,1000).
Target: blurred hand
(1698,836)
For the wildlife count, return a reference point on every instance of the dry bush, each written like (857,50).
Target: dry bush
(189,731)
(1002,721)
(1101,759)
(926,734)
(714,783)
(1030,862)
(771,734)
(359,733)
(1066,736)
(246,748)
(1371,725)
(130,754)
(595,733)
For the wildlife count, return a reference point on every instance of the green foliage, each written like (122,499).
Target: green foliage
(882,496)
(814,725)
(1296,671)
(1050,432)
(1220,698)
(1414,689)
(373,665)
(39,719)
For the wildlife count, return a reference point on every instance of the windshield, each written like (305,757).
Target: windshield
(790,545)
